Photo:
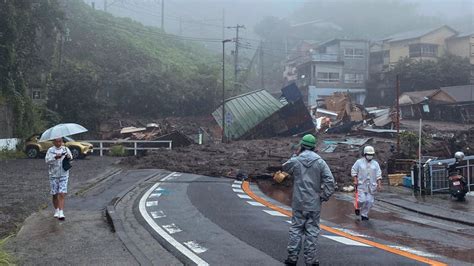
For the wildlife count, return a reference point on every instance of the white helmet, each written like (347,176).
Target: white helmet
(369,150)
(459,155)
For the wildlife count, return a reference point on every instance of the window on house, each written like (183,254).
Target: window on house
(36,95)
(328,77)
(423,50)
(353,53)
(354,78)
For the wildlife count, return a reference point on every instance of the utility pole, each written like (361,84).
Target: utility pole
(163,15)
(398,114)
(262,78)
(236,53)
(223,24)
(105,5)
(223,90)
(93,5)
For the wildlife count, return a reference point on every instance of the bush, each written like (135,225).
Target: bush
(118,151)
(9,154)
(5,257)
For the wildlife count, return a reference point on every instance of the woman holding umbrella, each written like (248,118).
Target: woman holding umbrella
(58,175)
(57,158)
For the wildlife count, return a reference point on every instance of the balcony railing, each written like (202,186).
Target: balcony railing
(325,57)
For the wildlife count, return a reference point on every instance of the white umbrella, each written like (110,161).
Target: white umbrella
(62,130)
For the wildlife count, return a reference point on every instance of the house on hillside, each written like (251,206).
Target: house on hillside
(453,104)
(337,65)
(424,44)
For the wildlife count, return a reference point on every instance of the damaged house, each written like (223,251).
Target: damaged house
(258,114)
(452,104)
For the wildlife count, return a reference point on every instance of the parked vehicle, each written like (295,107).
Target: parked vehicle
(457,182)
(34,148)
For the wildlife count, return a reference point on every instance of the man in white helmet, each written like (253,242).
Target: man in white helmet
(367,180)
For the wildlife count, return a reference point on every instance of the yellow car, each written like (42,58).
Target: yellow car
(34,148)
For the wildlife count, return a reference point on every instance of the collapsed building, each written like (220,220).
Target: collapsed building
(258,114)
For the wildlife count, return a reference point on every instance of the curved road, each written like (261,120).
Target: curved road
(204,220)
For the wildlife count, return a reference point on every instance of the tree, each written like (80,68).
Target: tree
(418,75)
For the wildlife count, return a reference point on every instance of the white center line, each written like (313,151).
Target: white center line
(275,213)
(236,186)
(346,241)
(243,196)
(184,250)
(155,195)
(238,182)
(194,246)
(254,203)
(151,203)
(238,190)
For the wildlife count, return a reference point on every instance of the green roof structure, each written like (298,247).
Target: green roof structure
(246,111)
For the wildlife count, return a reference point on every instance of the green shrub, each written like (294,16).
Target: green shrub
(8,154)
(5,257)
(118,151)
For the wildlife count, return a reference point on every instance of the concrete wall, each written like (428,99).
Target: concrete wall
(9,144)
(6,121)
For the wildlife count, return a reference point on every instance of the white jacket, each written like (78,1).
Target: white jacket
(367,174)
(56,166)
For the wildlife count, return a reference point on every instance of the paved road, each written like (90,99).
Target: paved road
(212,220)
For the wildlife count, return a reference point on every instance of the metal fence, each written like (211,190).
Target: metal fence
(134,145)
(437,174)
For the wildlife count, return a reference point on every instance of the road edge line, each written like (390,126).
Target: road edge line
(167,237)
(248,191)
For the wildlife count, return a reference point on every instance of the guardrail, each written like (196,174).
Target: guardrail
(138,145)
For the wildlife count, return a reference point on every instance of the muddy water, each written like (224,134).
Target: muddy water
(396,229)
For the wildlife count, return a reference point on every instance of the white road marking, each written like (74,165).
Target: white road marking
(158,214)
(236,186)
(185,251)
(194,246)
(238,190)
(275,213)
(172,228)
(254,203)
(151,203)
(242,196)
(177,174)
(155,195)
(346,241)
(350,232)
(238,182)
(416,252)
(159,189)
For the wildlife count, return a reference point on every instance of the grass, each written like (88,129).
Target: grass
(118,151)
(8,154)
(5,257)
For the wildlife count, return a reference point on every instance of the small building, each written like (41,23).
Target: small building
(453,104)
(338,65)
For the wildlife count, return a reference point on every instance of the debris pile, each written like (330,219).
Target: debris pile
(258,159)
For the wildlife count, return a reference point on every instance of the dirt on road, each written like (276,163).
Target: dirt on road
(24,186)
(253,158)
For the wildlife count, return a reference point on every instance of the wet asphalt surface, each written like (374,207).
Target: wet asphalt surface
(207,211)
(232,232)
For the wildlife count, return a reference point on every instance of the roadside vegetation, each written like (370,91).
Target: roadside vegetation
(90,66)
(5,257)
